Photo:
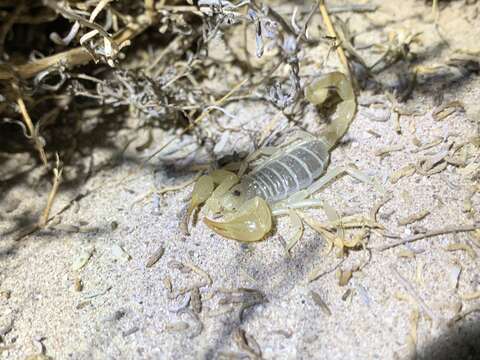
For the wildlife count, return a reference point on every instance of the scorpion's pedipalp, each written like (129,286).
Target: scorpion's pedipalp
(202,190)
(220,175)
(251,223)
(225,180)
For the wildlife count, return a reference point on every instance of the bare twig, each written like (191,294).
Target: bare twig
(196,121)
(7,25)
(70,58)
(331,32)
(358,8)
(447,230)
(317,274)
(461,315)
(408,286)
(32,132)
(72,16)
(57,177)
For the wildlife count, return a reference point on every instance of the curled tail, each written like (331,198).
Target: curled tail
(317,93)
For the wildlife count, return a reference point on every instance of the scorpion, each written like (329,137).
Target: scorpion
(283,182)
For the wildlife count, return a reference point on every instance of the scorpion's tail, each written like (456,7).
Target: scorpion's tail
(317,93)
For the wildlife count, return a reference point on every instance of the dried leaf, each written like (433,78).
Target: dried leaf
(463,247)
(470,296)
(413,218)
(152,260)
(82,259)
(344,277)
(407,170)
(317,299)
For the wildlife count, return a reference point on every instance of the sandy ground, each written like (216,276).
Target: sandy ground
(126,310)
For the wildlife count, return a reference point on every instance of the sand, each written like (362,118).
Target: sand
(125,310)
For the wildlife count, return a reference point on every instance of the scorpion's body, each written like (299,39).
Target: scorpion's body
(291,172)
(283,182)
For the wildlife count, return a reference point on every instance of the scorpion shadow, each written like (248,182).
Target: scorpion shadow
(458,342)
(294,270)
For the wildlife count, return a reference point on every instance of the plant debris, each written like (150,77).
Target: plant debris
(464,247)
(413,218)
(405,171)
(82,259)
(247,343)
(153,259)
(317,299)
(95,90)
(413,238)
(408,286)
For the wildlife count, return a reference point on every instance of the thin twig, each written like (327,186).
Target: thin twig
(331,32)
(435,11)
(57,178)
(447,230)
(8,24)
(461,315)
(31,129)
(196,121)
(72,16)
(408,286)
(316,274)
(358,8)
(149,9)
(70,58)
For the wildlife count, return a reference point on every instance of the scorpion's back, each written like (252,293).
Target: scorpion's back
(289,173)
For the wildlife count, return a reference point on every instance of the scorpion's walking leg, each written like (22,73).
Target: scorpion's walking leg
(335,172)
(301,199)
(284,208)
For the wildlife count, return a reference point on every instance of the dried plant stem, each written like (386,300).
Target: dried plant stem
(317,273)
(461,315)
(435,10)
(447,230)
(154,68)
(31,130)
(57,178)
(149,8)
(358,8)
(408,286)
(72,16)
(70,58)
(7,25)
(198,119)
(331,32)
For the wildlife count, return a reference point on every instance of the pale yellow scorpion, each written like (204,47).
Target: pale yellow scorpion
(283,182)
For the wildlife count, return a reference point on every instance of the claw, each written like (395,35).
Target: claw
(251,223)
(225,181)
(202,190)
